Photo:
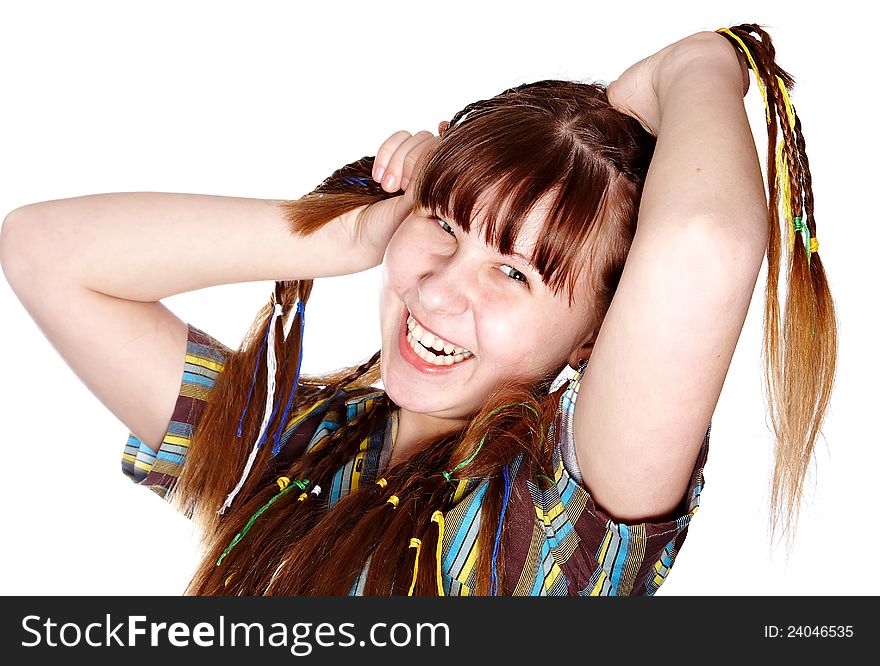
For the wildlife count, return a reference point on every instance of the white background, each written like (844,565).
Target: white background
(265,99)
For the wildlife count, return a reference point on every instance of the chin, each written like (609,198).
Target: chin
(421,399)
(403,395)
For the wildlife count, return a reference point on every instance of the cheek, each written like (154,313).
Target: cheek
(506,330)
(524,337)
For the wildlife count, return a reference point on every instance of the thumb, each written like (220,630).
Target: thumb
(403,205)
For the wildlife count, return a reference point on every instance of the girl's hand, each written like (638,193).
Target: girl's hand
(397,158)
(397,161)
(637,90)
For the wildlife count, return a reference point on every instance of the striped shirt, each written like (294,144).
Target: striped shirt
(557,540)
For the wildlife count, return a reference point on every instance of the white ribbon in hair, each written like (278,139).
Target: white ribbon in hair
(271,365)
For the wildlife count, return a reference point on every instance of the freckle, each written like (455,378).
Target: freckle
(699,169)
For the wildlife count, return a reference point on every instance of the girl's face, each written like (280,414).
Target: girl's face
(495,319)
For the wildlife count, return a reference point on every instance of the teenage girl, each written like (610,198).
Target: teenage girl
(616,230)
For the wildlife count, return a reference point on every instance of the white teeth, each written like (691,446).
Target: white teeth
(431,341)
(434,359)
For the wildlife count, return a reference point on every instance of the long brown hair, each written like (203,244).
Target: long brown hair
(557,140)
(800,344)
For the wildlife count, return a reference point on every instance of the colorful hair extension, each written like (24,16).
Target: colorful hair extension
(315,491)
(359,181)
(300,311)
(437,517)
(269,409)
(299,483)
(417,544)
(254,376)
(448,474)
(494,588)
(795,223)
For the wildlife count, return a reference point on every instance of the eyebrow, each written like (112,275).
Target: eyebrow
(525,260)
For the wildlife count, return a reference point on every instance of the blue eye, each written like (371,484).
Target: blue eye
(514,274)
(445,226)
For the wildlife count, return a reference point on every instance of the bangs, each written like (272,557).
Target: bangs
(499,166)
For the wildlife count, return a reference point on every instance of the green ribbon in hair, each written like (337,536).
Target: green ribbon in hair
(448,474)
(299,483)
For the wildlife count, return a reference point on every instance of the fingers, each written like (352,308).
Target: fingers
(386,150)
(397,159)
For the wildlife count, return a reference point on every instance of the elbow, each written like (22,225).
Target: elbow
(22,241)
(12,246)
(730,244)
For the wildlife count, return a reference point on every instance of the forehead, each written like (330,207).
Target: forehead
(492,219)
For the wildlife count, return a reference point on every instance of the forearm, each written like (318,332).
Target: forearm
(145,246)
(705,165)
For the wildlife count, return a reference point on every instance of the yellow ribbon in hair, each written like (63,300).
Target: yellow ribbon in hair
(394,499)
(437,517)
(382,482)
(417,544)
(782,170)
(754,69)
(302,497)
(785,194)
(810,244)
(283,482)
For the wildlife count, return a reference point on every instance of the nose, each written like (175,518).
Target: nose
(443,290)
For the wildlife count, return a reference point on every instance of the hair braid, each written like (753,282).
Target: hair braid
(800,343)
(289,516)
(805,174)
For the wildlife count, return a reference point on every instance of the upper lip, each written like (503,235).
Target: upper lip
(436,335)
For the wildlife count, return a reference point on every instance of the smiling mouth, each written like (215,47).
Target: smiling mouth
(432,349)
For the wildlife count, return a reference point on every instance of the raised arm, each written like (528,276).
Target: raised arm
(91,272)
(659,362)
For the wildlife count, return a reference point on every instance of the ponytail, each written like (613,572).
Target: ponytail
(268,362)
(800,345)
